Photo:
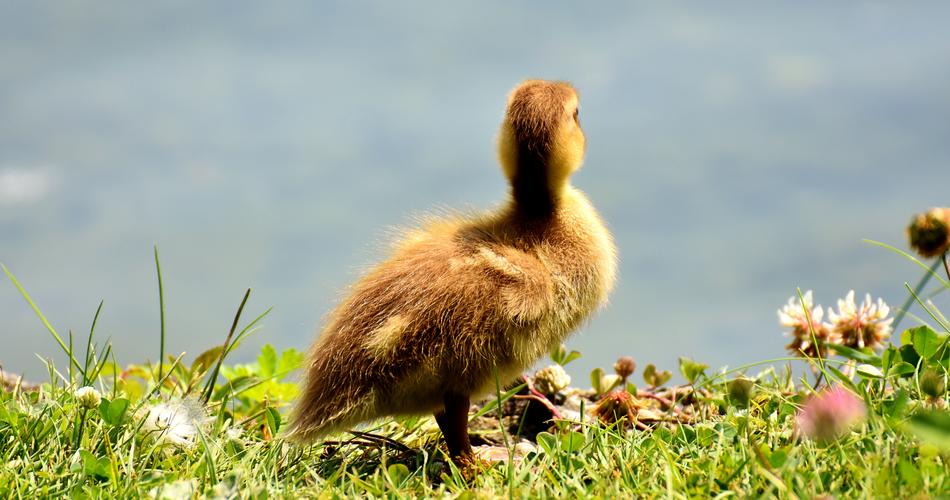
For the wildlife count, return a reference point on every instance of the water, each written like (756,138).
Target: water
(736,152)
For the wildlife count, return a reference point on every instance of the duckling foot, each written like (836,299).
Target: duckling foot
(471,466)
(453,421)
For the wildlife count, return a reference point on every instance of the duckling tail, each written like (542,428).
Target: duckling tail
(325,407)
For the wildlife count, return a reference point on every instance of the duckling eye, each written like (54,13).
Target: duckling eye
(575,114)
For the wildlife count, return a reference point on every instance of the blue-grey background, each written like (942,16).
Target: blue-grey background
(737,151)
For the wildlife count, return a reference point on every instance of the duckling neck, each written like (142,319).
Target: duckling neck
(534,195)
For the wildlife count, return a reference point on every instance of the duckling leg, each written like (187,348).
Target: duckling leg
(453,421)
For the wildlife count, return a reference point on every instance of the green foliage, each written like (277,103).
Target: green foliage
(869,371)
(691,370)
(560,355)
(740,440)
(113,412)
(933,427)
(262,381)
(925,340)
(859,355)
(602,383)
(753,452)
(272,417)
(563,449)
(739,391)
(655,378)
(98,468)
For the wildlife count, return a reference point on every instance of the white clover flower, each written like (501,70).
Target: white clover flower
(88,397)
(793,315)
(224,490)
(551,379)
(177,422)
(177,490)
(857,326)
(235,433)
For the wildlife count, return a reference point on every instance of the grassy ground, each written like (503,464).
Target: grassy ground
(208,428)
(50,446)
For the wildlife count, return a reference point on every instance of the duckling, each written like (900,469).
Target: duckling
(462,298)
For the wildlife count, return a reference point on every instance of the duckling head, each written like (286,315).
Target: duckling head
(540,143)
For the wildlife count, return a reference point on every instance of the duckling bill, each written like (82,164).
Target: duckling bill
(425,330)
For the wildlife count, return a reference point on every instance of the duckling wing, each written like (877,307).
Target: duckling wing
(438,295)
(521,282)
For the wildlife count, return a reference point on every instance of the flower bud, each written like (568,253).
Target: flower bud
(625,367)
(552,379)
(88,397)
(932,384)
(830,414)
(617,406)
(929,232)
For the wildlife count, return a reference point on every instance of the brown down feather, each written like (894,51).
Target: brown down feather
(461,295)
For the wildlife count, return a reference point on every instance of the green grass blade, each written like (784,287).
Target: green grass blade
(209,388)
(910,298)
(923,306)
(39,314)
(740,369)
(161,381)
(932,270)
(72,376)
(102,363)
(161,312)
(491,405)
(212,469)
(501,427)
(811,331)
(89,349)
(248,330)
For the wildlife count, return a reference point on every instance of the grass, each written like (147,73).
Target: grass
(723,434)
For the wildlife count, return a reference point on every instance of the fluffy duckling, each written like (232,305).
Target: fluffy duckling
(461,297)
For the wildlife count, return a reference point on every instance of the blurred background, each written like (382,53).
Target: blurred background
(737,152)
